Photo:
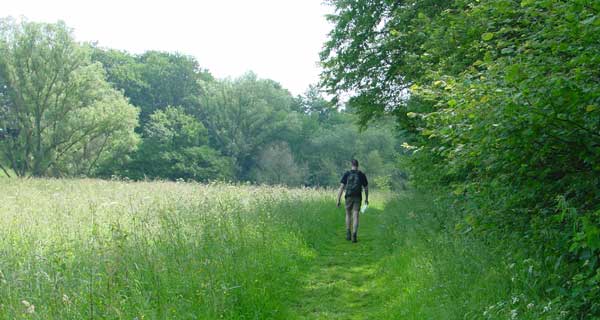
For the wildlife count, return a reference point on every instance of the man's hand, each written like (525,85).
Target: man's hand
(339,196)
(367,201)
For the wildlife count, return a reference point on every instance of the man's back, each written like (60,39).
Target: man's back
(354,180)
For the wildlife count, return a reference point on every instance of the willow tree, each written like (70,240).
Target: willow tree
(59,114)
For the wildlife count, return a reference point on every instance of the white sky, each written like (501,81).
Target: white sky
(277,39)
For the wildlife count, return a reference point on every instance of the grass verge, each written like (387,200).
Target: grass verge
(431,270)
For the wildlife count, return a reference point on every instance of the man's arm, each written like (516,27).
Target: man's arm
(365,183)
(340,193)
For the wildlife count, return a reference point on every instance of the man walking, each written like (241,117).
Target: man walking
(353,182)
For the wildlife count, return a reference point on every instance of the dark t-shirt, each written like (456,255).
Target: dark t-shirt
(361,176)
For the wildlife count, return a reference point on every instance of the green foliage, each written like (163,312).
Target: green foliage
(328,152)
(501,99)
(313,104)
(245,115)
(276,165)
(175,146)
(59,115)
(154,80)
(446,271)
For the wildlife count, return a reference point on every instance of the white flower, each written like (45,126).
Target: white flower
(29,307)
(548,307)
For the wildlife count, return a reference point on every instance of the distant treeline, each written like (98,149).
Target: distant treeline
(74,109)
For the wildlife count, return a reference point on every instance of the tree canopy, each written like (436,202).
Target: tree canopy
(59,114)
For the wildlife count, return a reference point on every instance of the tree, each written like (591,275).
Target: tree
(175,147)
(313,104)
(59,113)
(276,165)
(154,80)
(245,115)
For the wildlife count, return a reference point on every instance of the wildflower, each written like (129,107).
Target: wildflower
(548,307)
(515,300)
(29,307)
(65,299)
(530,306)
(513,313)
(408,146)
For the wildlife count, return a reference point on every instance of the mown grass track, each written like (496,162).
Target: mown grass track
(410,263)
(341,283)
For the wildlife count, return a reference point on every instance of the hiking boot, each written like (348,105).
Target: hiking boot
(354,237)
(348,235)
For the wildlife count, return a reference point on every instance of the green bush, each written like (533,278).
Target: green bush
(501,106)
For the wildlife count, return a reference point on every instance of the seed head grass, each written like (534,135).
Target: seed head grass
(74,249)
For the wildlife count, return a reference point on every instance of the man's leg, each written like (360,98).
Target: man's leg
(355,214)
(355,219)
(348,217)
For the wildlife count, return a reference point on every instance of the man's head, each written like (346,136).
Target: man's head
(354,163)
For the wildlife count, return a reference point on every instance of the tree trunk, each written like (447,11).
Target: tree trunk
(38,143)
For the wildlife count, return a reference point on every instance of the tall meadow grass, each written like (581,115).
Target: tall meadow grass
(73,249)
(434,268)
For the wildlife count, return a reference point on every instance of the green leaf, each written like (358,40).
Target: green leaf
(487,36)
(513,73)
(526,3)
(487,57)
(589,20)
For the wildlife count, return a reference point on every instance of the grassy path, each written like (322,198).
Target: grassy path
(342,282)
(406,265)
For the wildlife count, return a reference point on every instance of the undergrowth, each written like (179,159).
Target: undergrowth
(436,269)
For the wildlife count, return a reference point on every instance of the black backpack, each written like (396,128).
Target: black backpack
(353,185)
